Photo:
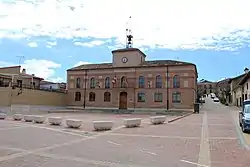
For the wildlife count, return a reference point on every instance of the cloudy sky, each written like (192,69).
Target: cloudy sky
(51,36)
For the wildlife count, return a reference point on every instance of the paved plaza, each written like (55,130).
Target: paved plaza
(209,139)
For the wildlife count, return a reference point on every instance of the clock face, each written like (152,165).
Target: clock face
(124,59)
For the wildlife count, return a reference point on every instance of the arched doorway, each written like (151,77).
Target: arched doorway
(123,100)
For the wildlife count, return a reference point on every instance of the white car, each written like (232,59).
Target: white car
(216,99)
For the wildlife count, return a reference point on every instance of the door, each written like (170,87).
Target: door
(123,100)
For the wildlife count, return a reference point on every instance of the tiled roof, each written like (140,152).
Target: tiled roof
(244,79)
(152,63)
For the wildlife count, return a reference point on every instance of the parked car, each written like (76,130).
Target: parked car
(216,99)
(202,100)
(244,116)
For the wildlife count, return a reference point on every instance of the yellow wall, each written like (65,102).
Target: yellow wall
(31,97)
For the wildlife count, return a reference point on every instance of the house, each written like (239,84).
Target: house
(206,87)
(245,86)
(236,91)
(12,76)
(47,85)
(132,82)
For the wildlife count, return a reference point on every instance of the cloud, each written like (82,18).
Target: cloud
(90,44)
(32,44)
(41,68)
(5,64)
(81,63)
(173,24)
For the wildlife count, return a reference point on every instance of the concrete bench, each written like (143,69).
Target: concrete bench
(39,119)
(2,116)
(103,125)
(17,117)
(73,123)
(28,118)
(132,122)
(158,119)
(55,120)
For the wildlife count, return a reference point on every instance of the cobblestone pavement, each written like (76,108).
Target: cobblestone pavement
(226,143)
(206,139)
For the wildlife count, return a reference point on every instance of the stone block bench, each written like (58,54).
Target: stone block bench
(73,123)
(55,120)
(158,119)
(39,119)
(103,125)
(17,117)
(132,122)
(2,116)
(28,118)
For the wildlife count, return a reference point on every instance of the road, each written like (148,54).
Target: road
(228,146)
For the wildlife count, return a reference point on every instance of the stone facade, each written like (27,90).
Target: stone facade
(206,87)
(131,82)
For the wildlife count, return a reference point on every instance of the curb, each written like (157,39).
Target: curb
(177,118)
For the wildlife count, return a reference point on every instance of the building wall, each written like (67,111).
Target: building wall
(187,87)
(48,86)
(246,89)
(9,96)
(238,98)
(10,70)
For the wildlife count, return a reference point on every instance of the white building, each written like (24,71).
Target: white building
(52,86)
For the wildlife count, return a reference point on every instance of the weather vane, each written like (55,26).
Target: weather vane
(129,36)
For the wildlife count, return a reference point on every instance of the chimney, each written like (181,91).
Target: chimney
(24,71)
(246,70)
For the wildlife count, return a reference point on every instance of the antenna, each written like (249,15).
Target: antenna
(20,58)
(129,36)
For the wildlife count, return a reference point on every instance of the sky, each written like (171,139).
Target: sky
(47,37)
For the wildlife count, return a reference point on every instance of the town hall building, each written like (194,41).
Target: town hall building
(131,82)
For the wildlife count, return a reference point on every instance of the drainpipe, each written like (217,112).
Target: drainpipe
(85,84)
(167,90)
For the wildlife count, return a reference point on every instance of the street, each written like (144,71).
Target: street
(231,148)
(211,138)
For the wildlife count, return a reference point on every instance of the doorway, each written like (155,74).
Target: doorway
(123,100)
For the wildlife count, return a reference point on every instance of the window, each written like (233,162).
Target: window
(92,82)
(91,96)
(107,97)
(141,82)
(78,96)
(141,97)
(176,81)
(78,83)
(107,82)
(176,97)
(123,82)
(158,82)
(158,97)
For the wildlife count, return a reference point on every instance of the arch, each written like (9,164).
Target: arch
(176,81)
(78,82)
(107,96)
(158,81)
(78,96)
(123,82)
(123,100)
(141,82)
(91,96)
(92,82)
(107,82)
